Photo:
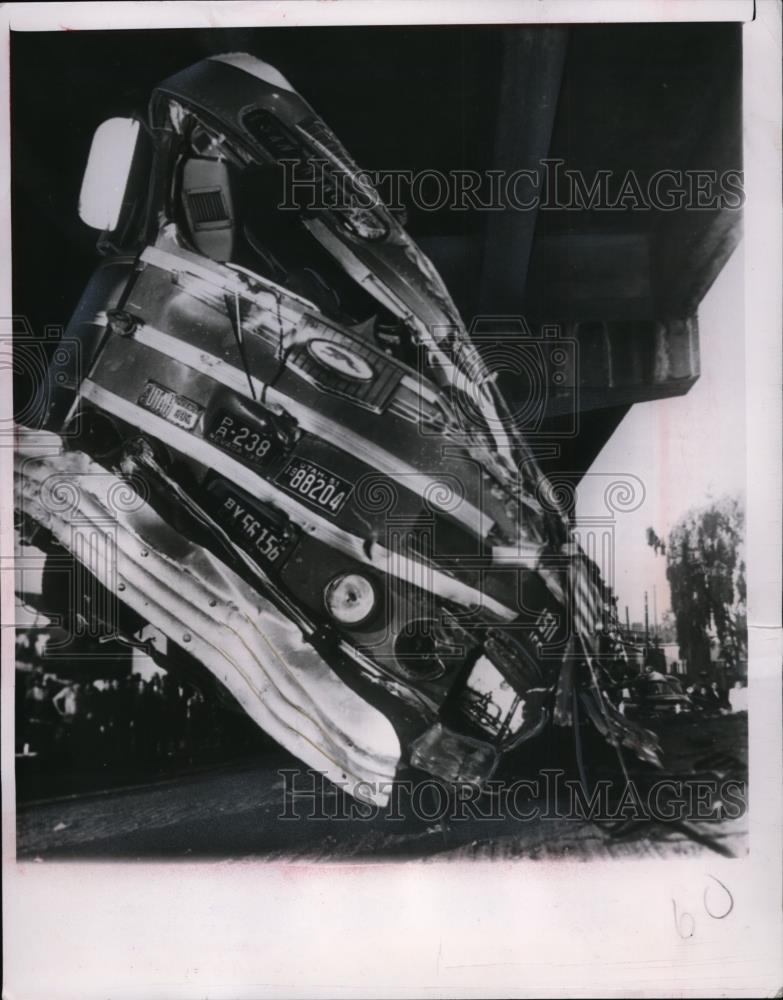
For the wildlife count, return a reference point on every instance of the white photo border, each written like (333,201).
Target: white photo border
(247,929)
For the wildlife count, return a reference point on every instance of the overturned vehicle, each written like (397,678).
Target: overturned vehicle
(269,437)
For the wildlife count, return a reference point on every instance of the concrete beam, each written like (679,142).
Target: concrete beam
(533,62)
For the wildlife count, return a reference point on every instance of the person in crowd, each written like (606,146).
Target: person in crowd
(90,749)
(68,703)
(173,717)
(136,732)
(118,717)
(37,728)
(738,697)
(152,711)
(196,722)
(714,696)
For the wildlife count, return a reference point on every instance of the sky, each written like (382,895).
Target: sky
(686,450)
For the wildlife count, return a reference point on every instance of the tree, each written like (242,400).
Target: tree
(667,630)
(706,572)
(656,543)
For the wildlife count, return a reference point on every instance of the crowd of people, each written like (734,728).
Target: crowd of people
(126,721)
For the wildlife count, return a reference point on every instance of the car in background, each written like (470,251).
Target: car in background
(655,694)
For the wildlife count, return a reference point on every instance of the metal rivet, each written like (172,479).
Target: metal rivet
(186,637)
(144,553)
(121,586)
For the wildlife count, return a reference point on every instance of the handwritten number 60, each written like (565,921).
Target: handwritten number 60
(686,922)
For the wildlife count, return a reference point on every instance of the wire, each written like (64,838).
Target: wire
(236,326)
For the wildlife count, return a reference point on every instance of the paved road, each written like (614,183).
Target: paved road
(236,811)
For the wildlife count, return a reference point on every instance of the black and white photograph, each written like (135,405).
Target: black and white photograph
(380,464)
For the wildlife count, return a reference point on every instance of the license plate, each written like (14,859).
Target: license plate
(169,405)
(267,540)
(253,442)
(318,487)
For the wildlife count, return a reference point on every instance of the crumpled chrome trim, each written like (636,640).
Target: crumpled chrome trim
(180,588)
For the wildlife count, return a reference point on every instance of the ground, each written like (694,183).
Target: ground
(235,809)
